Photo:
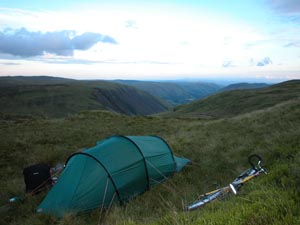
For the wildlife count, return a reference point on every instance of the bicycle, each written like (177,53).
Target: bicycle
(234,186)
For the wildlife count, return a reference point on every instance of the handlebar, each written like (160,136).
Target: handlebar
(251,160)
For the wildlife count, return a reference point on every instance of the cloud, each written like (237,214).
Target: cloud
(131,24)
(285,6)
(87,40)
(90,62)
(24,43)
(69,61)
(292,44)
(265,61)
(9,63)
(228,63)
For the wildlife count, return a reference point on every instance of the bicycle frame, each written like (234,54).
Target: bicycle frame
(234,186)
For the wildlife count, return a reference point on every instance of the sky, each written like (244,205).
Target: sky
(151,40)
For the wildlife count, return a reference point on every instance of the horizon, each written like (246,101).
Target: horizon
(171,40)
(219,81)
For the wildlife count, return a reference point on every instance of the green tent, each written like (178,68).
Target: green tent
(114,171)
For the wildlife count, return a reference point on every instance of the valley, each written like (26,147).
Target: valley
(241,122)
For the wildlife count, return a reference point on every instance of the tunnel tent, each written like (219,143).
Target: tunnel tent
(114,171)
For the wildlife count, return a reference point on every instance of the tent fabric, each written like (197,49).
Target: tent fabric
(114,171)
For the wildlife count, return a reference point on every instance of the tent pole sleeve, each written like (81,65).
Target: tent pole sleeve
(101,164)
(171,152)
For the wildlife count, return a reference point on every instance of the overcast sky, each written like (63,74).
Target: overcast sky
(87,39)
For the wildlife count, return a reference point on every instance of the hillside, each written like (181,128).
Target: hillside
(231,103)
(176,92)
(58,97)
(218,150)
(243,86)
(11,81)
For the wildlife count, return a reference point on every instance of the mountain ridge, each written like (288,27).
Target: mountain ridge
(58,97)
(243,85)
(234,102)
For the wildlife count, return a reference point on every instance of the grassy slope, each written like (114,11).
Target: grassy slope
(57,97)
(234,102)
(218,149)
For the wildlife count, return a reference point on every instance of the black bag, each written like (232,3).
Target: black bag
(36,177)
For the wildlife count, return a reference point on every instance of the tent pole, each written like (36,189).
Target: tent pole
(103,200)
(166,178)
(110,204)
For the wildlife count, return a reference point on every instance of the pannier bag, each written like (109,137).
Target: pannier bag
(36,177)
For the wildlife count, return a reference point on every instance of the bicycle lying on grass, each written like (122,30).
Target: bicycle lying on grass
(234,186)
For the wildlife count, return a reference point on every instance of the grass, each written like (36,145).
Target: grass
(218,149)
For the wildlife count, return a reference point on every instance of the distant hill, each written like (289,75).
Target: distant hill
(58,97)
(243,86)
(36,80)
(231,103)
(174,92)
